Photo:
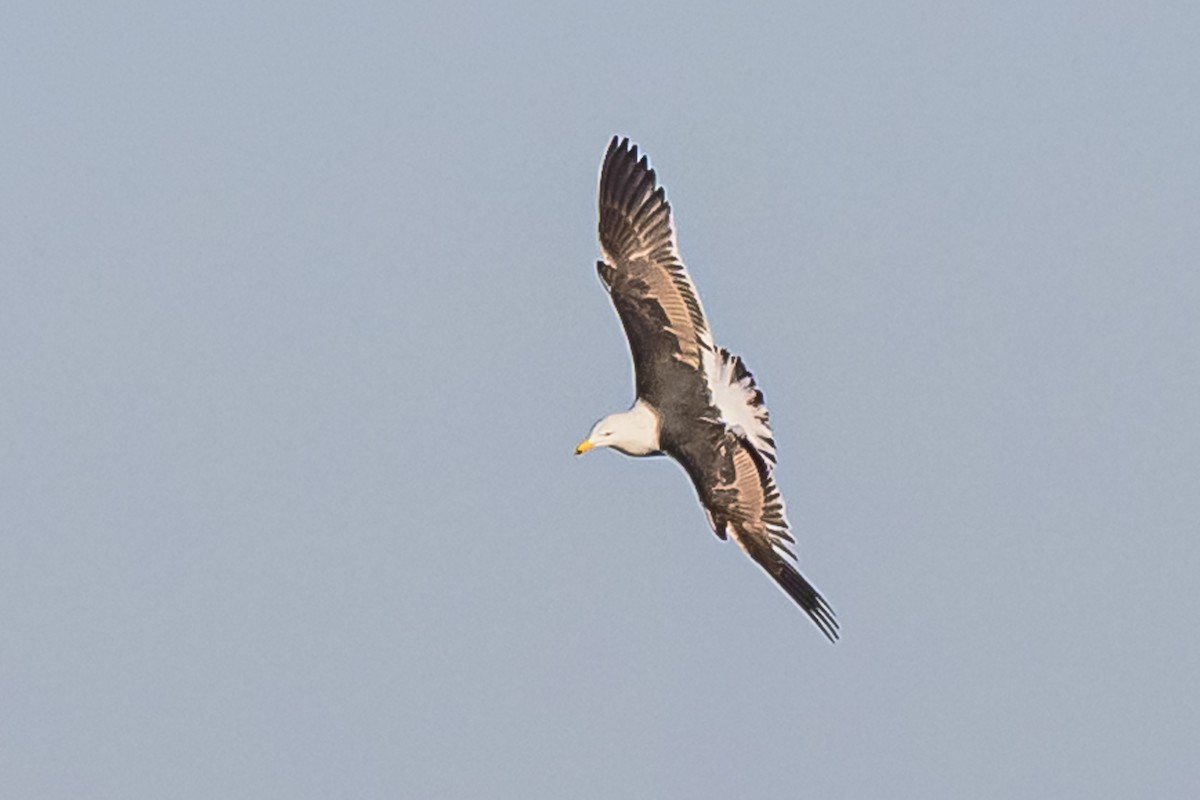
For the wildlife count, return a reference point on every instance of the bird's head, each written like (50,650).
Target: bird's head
(633,432)
(603,434)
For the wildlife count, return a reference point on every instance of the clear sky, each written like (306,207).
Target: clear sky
(299,325)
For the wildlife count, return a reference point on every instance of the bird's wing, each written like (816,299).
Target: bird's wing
(645,276)
(741,499)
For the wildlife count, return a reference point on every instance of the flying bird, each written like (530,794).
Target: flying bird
(696,402)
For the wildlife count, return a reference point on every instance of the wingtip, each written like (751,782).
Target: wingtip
(809,599)
(826,621)
(626,150)
(635,216)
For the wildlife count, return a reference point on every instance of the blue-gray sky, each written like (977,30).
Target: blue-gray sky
(299,325)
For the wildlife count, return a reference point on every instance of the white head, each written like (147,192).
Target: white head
(633,432)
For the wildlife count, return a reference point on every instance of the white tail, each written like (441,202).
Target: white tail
(740,402)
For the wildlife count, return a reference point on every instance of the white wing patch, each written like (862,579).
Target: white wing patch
(739,400)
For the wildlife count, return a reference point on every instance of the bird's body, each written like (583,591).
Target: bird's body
(696,402)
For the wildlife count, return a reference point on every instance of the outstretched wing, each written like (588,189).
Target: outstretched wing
(647,280)
(741,500)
